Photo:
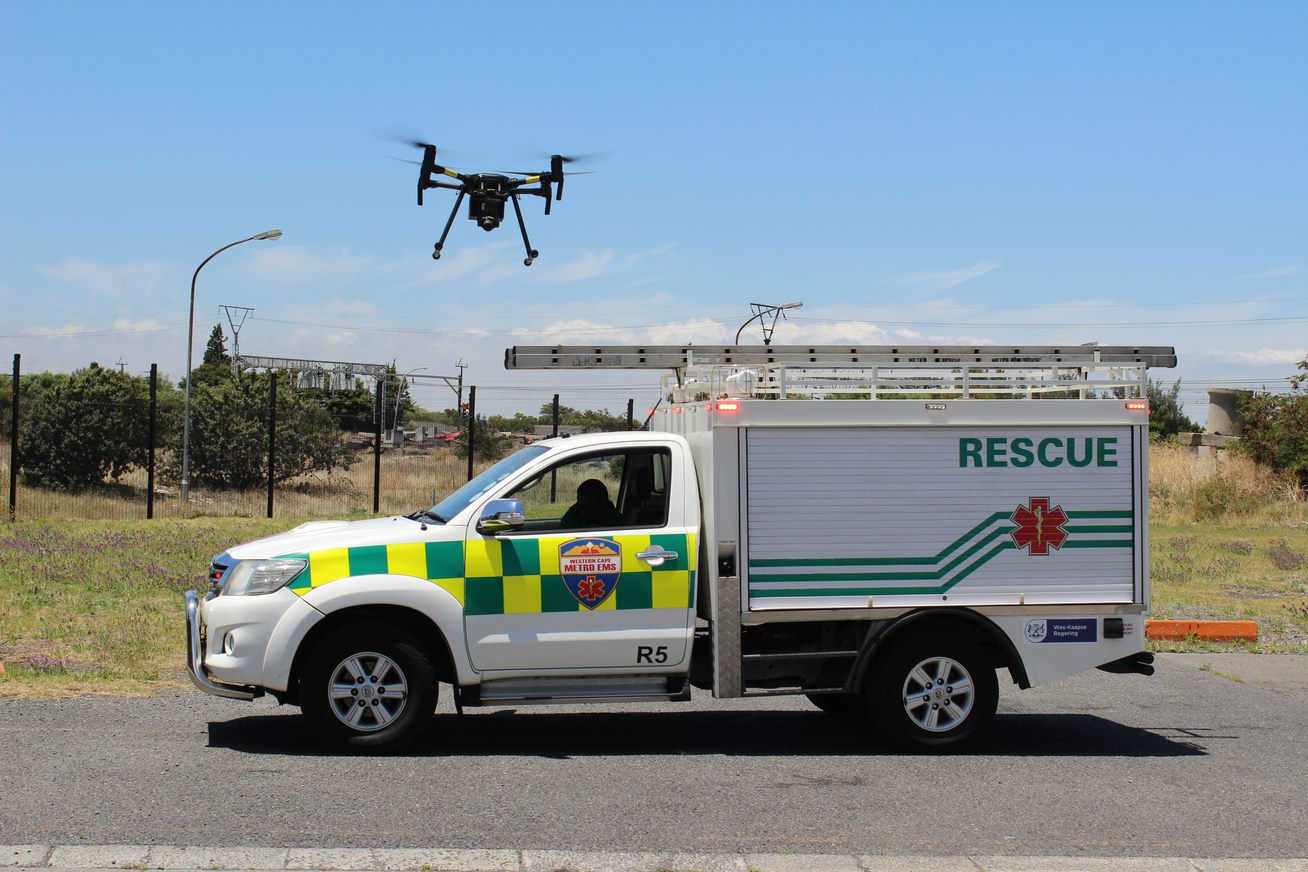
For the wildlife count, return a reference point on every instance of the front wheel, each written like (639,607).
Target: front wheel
(936,693)
(372,687)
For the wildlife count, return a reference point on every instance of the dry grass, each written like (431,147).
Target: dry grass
(408,482)
(1235,491)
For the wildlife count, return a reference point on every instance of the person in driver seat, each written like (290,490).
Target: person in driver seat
(592,508)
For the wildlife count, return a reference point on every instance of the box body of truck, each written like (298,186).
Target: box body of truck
(1032,515)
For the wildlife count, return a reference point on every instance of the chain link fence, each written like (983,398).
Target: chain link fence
(102,444)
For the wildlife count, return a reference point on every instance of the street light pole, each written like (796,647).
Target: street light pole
(761,310)
(190,337)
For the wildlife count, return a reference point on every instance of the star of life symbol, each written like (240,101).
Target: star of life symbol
(590,569)
(1038,526)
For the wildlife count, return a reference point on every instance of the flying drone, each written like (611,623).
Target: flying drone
(488,192)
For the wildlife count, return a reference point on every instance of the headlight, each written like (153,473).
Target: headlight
(255,577)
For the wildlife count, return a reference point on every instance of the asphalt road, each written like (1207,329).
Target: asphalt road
(1186,763)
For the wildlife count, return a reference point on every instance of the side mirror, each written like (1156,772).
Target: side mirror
(501,516)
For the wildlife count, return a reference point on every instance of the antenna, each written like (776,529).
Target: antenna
(121,364)
(235,324)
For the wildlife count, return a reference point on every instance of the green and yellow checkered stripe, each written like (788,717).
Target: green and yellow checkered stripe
(438,562)
(521,576)
(514,576)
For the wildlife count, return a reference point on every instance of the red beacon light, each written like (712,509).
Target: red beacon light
(728,406)
(1137,405)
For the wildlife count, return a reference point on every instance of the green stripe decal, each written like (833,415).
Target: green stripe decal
(982,549)
(878,591)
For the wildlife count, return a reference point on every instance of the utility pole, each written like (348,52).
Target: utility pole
(459,408)
(235,324)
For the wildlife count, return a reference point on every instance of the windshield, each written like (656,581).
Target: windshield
(464,496)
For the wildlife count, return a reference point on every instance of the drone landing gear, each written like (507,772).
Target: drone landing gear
(532,253)
(436,255)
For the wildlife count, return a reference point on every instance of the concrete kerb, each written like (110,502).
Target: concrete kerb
(1207,631)
(94,858)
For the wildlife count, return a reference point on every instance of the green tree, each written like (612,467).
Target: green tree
(79,429)
(519,423)
(354,409)
(593,420)
(1276,426)
(215,352)
(487,443)
(229,433)
(1165,416)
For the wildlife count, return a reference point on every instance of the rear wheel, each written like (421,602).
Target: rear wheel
(937,693)
(372,687)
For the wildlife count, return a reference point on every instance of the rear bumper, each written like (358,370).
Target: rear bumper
(195,657)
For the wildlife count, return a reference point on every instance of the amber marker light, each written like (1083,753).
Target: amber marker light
(1137,405)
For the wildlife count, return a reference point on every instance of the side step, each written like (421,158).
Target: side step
(573,689)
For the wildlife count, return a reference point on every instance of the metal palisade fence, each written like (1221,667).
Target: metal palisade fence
(104,443)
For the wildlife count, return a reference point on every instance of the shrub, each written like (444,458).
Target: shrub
(81,428)
(1276,427)
(1165,416)
(229,434)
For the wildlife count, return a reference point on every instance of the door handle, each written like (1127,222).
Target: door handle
(656,555)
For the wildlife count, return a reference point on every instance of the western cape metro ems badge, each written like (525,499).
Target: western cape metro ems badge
(590,569)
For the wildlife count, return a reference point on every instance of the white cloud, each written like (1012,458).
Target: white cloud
(943,280)
(340,339)
(285,265)
(80,330)
(1274,273)
(463,263)
(588,265)
(591,264)
(1262,355)
(108,280)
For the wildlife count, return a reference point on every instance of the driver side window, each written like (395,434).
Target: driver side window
(598,492)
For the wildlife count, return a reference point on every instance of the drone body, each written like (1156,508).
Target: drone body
(488,192)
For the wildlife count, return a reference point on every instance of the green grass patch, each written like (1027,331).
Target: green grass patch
(1258,573)
(97,605)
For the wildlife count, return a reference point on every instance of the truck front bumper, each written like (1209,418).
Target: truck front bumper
(195,641)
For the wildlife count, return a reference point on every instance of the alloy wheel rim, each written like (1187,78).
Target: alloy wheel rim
(368,691)
(938,694)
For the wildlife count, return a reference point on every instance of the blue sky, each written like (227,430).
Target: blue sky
(1009,173)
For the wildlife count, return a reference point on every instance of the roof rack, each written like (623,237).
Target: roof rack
(832,356)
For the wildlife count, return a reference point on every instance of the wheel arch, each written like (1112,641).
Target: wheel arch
(982,630)
(419,624)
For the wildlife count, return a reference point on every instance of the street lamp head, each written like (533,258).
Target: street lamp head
(268,234)
(791,306)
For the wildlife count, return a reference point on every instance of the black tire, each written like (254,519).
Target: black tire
(846,706)
(381,724)
(945,718)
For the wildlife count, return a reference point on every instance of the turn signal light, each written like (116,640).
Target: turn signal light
(1137,405)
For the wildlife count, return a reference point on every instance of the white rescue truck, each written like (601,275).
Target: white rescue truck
(879,529)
